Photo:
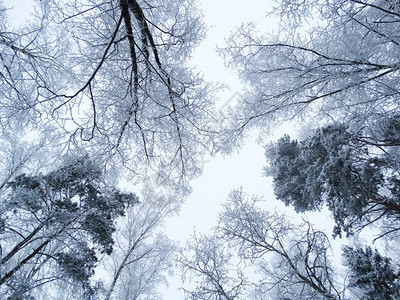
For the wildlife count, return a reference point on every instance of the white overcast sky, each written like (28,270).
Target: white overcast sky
(243,169)
(221,175)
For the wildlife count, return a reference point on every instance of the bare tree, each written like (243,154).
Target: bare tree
(346,67)
(17,156)
(142,256)
(301,269)
(292,260)
(206,260)
(111,76)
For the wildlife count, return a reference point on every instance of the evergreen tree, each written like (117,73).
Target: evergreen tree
(355,175)
(372,273)
(55,225)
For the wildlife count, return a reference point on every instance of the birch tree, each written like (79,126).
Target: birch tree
(343,68)
(208,265)
(302,268)
(18,156)
(292,260)
(111,77)
(143,256)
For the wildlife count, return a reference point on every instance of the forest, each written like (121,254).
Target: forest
(95,94)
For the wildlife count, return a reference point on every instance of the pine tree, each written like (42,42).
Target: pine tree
(373,273)
(353,173)
(55,225)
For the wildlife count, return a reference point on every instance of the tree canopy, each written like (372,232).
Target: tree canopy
(329,60)
(111,77)
(373,273)
(54,226)
(96,92)
(355,175)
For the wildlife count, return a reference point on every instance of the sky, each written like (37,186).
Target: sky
(240,170)
(221,174)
